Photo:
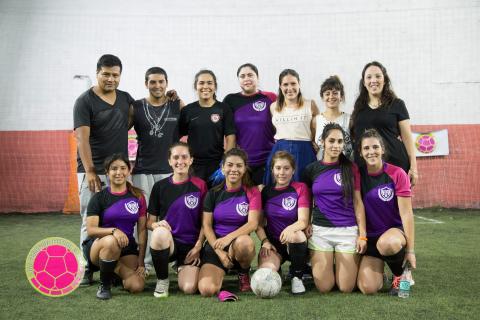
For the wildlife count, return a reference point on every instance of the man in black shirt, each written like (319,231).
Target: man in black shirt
(156,125)
(101,121)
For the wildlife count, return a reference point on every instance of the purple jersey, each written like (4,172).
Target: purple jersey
(253,124)
(230,208)
(331,209)
(180,204)
(117,210)
(280,206)
(379,193)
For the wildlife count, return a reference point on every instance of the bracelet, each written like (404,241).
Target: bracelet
(113,231)
(263,241)
(362,238)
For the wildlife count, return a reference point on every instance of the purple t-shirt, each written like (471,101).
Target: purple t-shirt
(331,209)
(280,206)
(379,193)
(117,210)
(231,207)
(253,124)
(180,204)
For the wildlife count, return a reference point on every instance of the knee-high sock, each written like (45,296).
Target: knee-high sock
(107,268)
(395,262)
(160,262)
(298,257)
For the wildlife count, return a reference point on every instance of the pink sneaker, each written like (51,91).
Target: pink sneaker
(244,282)
(225,296)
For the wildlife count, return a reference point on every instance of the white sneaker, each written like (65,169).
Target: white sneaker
(297,286)
(161,289)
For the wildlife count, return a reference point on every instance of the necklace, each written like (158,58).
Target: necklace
(155,127)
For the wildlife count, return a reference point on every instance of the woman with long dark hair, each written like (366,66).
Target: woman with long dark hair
(338,215)
(377,107)
(111,217)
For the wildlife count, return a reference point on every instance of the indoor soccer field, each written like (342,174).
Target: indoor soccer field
(446,281)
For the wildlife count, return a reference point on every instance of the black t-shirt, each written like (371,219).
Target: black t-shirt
(206,129)
(385,120)
(108,125)
(157,130)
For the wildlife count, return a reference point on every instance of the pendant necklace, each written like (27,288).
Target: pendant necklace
(155,127)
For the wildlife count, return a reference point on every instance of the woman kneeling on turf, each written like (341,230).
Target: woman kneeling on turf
(177,202)
(286,209)
(390,229)
(230,213)
(338,215)
(111,216)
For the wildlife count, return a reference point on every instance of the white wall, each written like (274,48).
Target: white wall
(430,48)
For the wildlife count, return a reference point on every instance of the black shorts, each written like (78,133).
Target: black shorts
(257,173)
(372,250)
(130,249)
(282,250)
(180,251)
(209,256)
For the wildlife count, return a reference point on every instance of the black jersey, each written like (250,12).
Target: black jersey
(108,125)
(157,130)
(206,129)
(385,120)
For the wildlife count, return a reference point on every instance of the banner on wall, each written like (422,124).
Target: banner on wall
(430,144)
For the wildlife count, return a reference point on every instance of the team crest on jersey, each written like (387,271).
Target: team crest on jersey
(385,194)
(132,206)
(191,201)
(242,209)
(215,117)
(289,203)
(259,105)
(337,177)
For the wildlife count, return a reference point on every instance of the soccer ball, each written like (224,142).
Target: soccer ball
(55,270)
(266,283)
(425,143)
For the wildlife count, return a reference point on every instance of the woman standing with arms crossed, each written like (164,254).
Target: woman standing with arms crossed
(207,122)
(253,121)
(338,215)
(286,210)
(292,116)
(230,213)
(388,205)
(175,218)
(377,107)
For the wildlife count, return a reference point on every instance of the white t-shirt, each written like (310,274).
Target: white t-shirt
(343,121)
(293,123)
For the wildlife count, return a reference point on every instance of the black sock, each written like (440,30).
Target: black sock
(160,262)
(395,262)
(298,258)
(107,268)
(244,270)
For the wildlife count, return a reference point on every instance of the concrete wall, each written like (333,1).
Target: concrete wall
(430,49)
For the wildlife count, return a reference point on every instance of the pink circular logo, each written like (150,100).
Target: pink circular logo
(55,267)
(425,143)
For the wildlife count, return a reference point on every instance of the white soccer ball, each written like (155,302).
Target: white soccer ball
(266,283)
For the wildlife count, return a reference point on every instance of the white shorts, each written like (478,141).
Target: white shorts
(336,239)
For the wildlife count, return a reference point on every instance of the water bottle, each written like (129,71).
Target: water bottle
(404,288)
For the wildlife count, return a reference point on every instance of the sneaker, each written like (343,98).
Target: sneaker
(87,279)
(161,289)
(244,282)
(104,292)
(297,286)
(395,285)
